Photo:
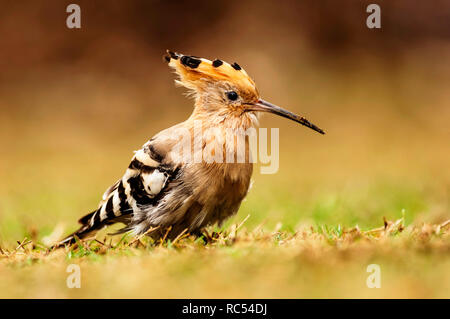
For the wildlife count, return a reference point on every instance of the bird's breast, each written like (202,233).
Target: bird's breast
(220,181)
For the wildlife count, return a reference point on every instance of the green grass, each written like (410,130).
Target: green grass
(237,263)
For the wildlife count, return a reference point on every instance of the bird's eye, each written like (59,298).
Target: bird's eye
(232,96)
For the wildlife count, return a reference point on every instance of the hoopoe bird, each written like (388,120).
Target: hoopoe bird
(170,194)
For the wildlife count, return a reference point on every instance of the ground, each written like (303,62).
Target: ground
(237,263)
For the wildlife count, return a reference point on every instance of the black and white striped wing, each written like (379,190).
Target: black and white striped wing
(145,178)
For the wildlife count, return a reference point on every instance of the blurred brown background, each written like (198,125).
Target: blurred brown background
(75,103)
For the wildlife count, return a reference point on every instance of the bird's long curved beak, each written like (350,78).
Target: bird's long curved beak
(264,106)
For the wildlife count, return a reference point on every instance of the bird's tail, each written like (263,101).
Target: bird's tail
(86,229)
(113,208)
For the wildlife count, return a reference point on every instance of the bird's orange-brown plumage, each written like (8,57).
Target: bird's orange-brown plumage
(162,188)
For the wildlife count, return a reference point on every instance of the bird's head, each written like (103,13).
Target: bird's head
(224,90)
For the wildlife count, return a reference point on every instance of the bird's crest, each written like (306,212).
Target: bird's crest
(195,71)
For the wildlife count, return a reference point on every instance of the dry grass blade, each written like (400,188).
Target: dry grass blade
(165,236)
(233,231)
(445,224)
(242,222)
(180,236)
(138,239)
(388,227)
(83,242)
(101,243)
(375,230)
(260,226)
(23,243)
(352,230)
